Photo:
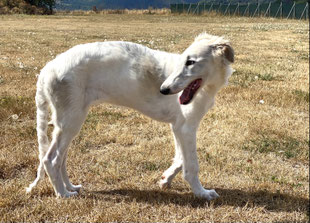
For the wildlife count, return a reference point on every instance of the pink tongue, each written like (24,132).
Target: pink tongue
(189,92)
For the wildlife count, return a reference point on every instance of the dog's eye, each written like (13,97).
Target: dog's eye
(190,62)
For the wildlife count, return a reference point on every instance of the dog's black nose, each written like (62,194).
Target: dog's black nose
(165,91)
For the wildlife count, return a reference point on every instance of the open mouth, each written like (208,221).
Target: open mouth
(189,92)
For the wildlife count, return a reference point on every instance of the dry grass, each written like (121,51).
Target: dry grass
(255,154)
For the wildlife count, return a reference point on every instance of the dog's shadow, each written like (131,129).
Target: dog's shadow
(232,197)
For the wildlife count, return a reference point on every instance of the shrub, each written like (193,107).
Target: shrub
(5,10)
(25,6)
(16,10)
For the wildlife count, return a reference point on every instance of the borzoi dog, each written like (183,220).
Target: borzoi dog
(173,88)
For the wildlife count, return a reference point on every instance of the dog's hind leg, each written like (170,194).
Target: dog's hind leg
(67,125)
(174,169)
(186,137)
(68,185)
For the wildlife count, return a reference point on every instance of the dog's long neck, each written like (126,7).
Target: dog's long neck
(166,61)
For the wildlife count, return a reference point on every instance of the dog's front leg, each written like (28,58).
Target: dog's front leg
(174,169)
(186,137)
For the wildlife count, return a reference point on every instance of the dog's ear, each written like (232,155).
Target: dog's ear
(227,51)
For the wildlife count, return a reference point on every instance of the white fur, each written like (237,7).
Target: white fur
(130,75)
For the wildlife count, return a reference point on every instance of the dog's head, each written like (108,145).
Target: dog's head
(205,62)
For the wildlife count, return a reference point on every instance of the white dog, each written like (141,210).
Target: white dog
(174,88)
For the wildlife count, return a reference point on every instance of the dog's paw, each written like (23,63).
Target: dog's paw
(207,194)
(73,188)
(164,183)
(76,188)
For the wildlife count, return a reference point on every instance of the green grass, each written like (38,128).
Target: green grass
(286,147)
(16,105)
(301,96)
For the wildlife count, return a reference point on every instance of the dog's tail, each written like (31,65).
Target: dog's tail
(42,125)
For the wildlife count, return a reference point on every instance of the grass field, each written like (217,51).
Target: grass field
(252,146)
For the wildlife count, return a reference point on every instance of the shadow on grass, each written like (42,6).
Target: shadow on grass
(232,197)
